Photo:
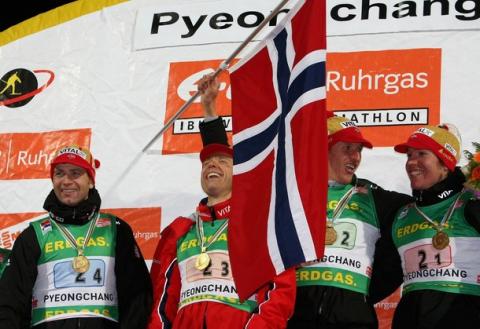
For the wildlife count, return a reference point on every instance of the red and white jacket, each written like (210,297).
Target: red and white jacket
(275,301)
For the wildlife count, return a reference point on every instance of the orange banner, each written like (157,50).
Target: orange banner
(386,308)
(28,155)
(381,90)
(11,225)
(378,90)
(183,136)
(145,224)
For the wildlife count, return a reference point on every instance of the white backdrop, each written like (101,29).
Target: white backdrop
(117,72)
(111,75)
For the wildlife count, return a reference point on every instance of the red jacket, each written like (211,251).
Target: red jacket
(275,301)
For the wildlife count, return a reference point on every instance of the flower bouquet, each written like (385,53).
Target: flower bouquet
(472,169)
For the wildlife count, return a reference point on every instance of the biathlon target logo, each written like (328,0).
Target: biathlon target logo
(19,86)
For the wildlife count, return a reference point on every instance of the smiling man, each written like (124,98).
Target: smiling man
(339,290)
(191,274)
(76,267)
(216,172)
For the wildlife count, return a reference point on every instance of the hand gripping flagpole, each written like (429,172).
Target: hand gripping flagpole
(223,66)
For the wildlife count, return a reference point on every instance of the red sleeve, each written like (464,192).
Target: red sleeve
(166,276)
(276,302)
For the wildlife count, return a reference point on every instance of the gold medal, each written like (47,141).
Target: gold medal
(330,234)
(202,261)
(80,264)
(440,240)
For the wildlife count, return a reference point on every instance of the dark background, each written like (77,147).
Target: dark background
(14,12)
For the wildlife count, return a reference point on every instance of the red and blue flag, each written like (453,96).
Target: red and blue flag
(280,150)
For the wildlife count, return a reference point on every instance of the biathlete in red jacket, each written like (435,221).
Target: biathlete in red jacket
(191,274)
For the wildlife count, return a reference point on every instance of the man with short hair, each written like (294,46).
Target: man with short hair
(77,267)
(193,283)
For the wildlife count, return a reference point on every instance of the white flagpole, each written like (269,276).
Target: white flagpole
(223,66)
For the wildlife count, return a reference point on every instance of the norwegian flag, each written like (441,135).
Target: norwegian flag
(46,226)
(280,150)
(103,222)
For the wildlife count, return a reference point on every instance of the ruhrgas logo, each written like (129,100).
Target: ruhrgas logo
(381,89)
(28,155)
(183,136)
(19,86)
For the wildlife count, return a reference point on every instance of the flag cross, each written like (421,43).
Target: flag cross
(295,85)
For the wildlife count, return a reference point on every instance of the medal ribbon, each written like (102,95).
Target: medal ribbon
(342,203)
(68,236)
(439,227)
(201,234)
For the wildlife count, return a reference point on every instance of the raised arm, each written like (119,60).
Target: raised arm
(212,128)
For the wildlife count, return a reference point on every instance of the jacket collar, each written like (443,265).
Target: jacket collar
(443,190)
(220,210)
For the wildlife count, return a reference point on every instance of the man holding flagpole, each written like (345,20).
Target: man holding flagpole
(191,272)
